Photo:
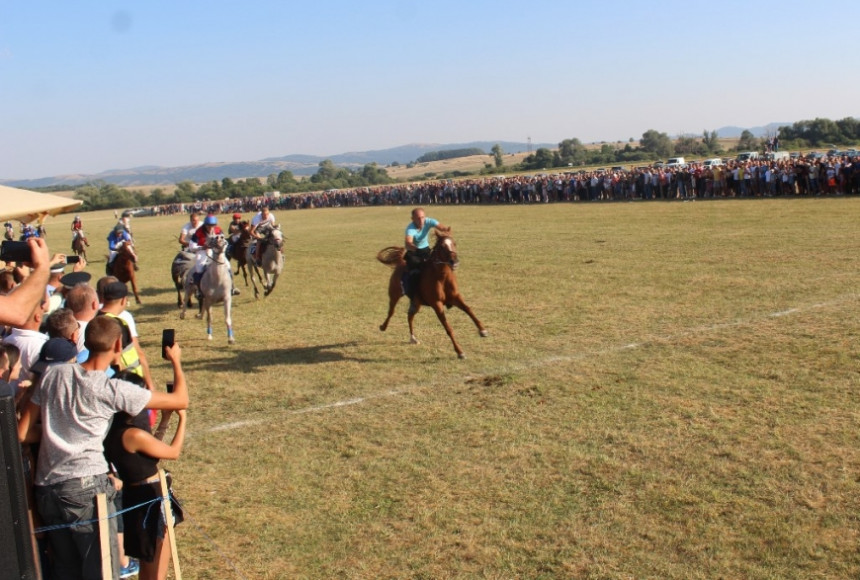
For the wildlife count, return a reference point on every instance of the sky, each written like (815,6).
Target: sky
(94,85)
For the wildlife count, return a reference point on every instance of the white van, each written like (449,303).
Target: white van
(747,156)
(778,156)
(676,162)
(711,163)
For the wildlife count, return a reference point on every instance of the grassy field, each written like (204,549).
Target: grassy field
(669,390)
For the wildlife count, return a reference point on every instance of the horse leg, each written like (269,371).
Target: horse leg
(228,318)
(254,272)
(133,281)
(414,307)
(186,302)
(459,303)
(207,306)
(394,294)
(439,308)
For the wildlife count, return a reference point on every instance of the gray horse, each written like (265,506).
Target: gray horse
(216,286)
(182,264)
(272,262)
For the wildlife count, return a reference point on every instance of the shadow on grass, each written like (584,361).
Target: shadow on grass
(237,358)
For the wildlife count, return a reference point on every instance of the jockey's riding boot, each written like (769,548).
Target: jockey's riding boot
(404,283)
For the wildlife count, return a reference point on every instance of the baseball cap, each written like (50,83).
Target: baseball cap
(72,279)
(115,291)
(55,351)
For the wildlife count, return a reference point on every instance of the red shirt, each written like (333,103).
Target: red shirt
(200,235)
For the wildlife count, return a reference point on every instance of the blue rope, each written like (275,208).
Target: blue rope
(96,520)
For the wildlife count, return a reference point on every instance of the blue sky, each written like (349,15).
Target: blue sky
(92,85)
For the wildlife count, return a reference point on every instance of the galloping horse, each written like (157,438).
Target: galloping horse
(179,269)
(123,268)
(436,287)
(240,250)
(272,262)
(79,244)
(216,286)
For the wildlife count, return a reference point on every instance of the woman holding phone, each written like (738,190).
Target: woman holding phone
(135,454)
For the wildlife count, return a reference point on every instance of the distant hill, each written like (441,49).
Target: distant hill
(735,132)
(298,164)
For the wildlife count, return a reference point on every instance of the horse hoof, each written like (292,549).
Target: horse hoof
(181,316)
(461,355)
(208,337)
(484,333)
(231,341)
(413,340)
(382,327)
(198,316)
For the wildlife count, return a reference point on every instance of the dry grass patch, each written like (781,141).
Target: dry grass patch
(669,390)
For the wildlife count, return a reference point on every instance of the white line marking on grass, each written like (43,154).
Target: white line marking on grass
(541,363)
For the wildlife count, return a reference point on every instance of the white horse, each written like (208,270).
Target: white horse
(216,286)
(272,262)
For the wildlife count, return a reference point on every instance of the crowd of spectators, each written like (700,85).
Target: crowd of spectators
(799,176)
(66,362)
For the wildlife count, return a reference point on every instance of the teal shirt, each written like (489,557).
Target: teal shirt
(420,237)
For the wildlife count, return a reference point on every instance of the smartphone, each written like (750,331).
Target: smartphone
(12,251)
(168,336)
(73,259)
(169,387)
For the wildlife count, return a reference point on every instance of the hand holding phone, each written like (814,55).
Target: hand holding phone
(168,339)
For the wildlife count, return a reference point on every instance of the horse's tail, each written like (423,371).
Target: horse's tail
(391,256)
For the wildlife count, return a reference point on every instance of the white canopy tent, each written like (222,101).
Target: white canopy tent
(27,206)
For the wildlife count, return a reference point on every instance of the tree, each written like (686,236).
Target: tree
(498,155)
(572,151)
(748,141)
(711,141)
(657,143)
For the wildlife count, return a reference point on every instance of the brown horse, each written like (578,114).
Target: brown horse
(239,250)
(123,268)
(79,244)
(436,288)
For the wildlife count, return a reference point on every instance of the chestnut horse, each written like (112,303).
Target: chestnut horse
(240,250)
(79,244)
(123,268)
(437,285)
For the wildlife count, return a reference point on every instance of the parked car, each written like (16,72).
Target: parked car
(711,163)
(676,162)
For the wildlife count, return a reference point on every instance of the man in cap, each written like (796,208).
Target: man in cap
(132,357)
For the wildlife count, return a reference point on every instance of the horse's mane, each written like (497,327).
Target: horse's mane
(391,256)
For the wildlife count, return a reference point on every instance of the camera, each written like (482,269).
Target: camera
(168,337)
(169,387)
(12,251)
